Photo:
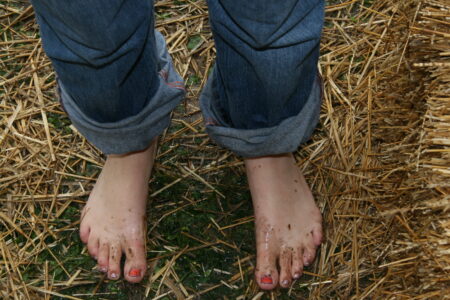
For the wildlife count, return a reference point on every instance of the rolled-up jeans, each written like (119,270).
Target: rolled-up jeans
(118,84)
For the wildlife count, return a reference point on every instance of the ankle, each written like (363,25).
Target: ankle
(150,149)
(269,157)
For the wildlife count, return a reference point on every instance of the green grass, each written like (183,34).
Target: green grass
(60,122)
(196,269)
(194,41)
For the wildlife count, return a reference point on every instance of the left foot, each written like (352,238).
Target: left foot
(113,220)
(288,222)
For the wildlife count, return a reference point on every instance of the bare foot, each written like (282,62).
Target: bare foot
(113,220)
(288,222)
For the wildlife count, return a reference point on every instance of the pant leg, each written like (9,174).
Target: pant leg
(117,82)
(264,94)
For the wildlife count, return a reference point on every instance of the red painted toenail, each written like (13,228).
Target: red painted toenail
(266,280)
(135,273)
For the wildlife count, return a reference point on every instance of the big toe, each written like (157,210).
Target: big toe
(135,264)
(266,273)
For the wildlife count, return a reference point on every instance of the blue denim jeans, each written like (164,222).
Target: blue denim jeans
(118,84)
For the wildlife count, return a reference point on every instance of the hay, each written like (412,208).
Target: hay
(378,164)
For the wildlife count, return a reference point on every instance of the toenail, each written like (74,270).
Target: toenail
(135,273)
(267,279)
(296,276)
(285,282)
(103,269)
(306,263)
(113,275)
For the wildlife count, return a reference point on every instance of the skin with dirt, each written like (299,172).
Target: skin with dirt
(288,222)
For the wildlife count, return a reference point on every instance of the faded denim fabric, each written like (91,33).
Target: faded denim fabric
(118,84)
(264,94)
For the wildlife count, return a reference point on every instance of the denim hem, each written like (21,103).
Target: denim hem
(283,138)
(136,132)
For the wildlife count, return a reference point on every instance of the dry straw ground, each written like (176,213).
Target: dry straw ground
(378,164)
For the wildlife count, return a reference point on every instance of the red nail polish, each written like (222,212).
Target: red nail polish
(266,280)
(135,273)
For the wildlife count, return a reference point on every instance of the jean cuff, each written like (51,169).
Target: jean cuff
(283,138)
(135,132)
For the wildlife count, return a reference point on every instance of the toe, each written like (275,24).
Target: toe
(317,235)
(266,273)
(103,256)
(286,267)
(309,254)
(84,232)
(297,263)
(92,245)
(135,264)
(115,254)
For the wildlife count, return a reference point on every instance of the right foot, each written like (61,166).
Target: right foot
(113,221)
(288,222)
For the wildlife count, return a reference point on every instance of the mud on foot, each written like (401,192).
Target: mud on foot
(113,221)
(288,222)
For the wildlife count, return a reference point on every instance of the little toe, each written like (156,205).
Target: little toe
(103,257)
(84,232)
(297,263)
(317,235)
(115,254)
(266,273)
(286,267)
(135,264)
(92,245)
